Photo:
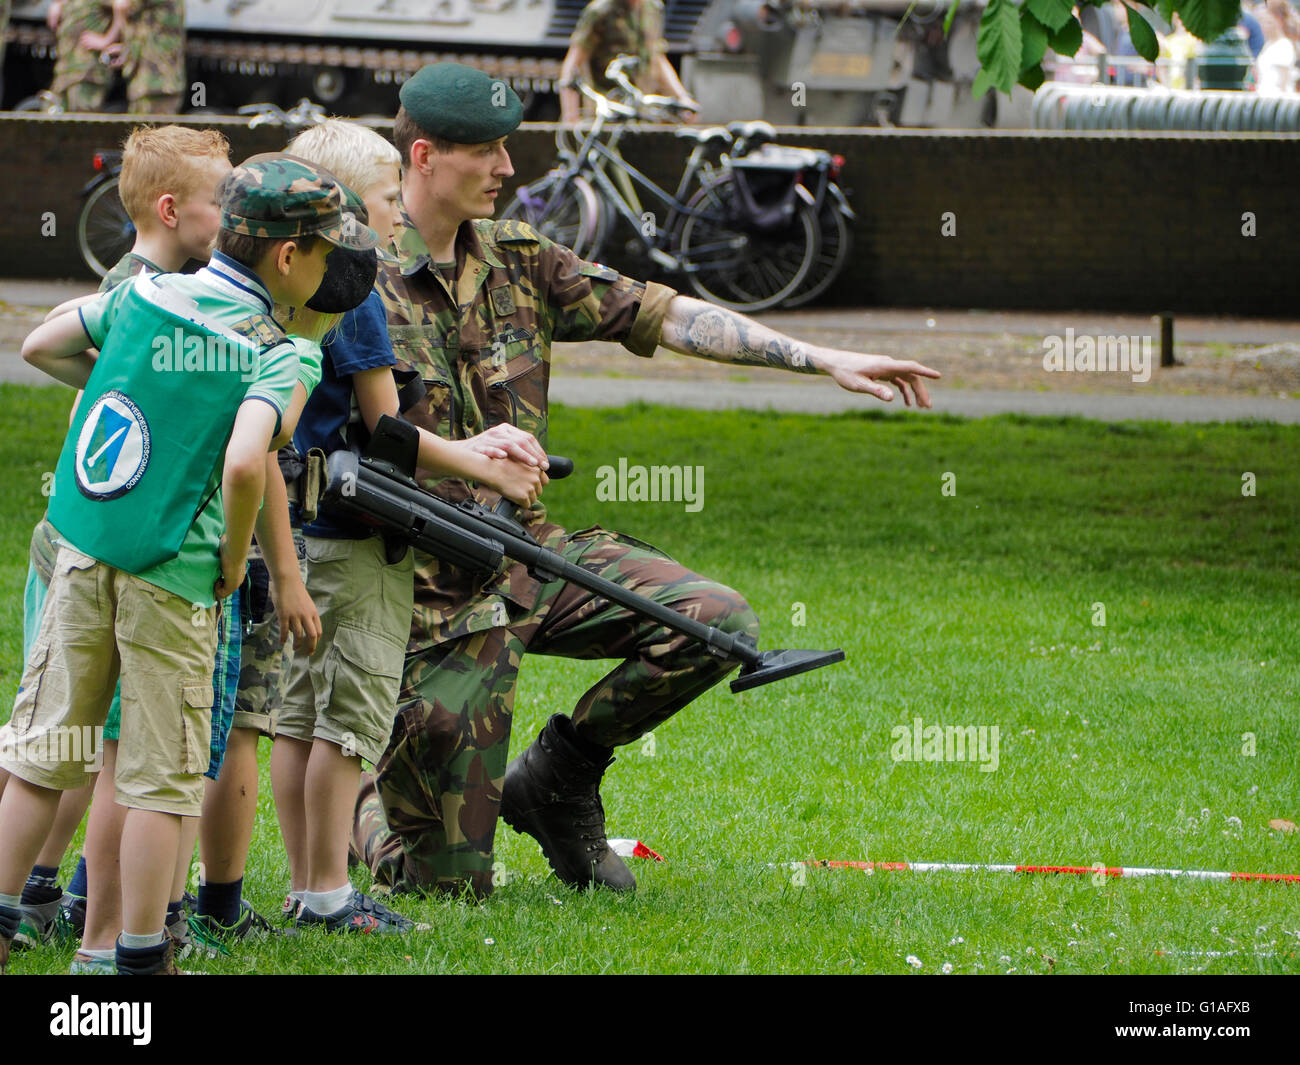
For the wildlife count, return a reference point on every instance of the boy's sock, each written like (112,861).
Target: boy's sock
(327,902)
(42,886)
(152,939)
(104,954)
(221,901)
(77,885)
(175,911)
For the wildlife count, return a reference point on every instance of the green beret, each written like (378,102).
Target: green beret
(461,104)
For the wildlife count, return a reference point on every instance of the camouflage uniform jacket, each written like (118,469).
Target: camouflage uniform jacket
(484,352)
(607,29)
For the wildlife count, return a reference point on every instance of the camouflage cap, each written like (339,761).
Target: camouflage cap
(279,195)
(461,104)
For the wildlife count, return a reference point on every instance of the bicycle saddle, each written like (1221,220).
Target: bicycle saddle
(752,134)
(708,135)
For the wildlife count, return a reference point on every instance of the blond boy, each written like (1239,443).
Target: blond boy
(340,703)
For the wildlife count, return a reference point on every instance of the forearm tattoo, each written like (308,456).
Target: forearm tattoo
(696,328)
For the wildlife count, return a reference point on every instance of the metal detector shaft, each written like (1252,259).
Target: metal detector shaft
(470,536)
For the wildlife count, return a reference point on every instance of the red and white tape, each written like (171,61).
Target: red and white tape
(632,848)
(1069,870)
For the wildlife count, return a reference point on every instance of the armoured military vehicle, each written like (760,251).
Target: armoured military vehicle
(844,63)
(859,62)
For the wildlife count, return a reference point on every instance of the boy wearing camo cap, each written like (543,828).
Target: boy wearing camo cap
(164,471)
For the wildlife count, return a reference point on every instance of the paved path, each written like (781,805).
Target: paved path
(823,397)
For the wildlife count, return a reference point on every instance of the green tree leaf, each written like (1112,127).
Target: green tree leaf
(1068,39)
(1032,77)
(1033,40)
(1143,36)
(1051,13)
(998,45)
(1207,19)
(1166,9)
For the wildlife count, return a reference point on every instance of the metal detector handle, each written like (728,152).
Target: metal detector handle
(559,468)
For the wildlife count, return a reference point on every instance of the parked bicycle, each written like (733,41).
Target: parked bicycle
(105,231)
(744,236)
(819,172)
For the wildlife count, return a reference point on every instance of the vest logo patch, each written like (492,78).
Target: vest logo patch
(113,448)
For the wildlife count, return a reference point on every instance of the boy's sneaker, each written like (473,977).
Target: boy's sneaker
(178,931)
(211,935)
(72,918)
(37,924)
(85,965)
(289,909)
(148,963)
(361,914)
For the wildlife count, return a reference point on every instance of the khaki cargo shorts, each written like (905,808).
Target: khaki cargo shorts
(100,622)
(346,692)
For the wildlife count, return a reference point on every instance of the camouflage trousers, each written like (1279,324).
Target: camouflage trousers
(427,818)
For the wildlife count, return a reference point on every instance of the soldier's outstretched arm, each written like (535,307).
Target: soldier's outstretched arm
(694,327)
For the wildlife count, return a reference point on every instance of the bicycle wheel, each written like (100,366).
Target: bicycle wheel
(565,209)
(743,268)
(833,247)
(104,231)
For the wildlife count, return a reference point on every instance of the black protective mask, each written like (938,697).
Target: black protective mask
(349,277)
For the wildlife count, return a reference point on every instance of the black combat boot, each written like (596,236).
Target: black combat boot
(552,793)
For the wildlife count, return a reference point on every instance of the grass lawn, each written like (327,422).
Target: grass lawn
(1166,736)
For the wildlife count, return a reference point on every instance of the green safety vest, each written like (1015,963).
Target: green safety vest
(151,430)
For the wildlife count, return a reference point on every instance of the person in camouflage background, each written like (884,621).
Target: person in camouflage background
(607,29)
(146,41)
(81,81)
(154,65)
(474,307)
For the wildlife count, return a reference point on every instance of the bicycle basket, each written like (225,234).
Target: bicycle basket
(766,196)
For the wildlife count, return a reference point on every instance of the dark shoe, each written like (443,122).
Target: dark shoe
(38,925)
(147,961)
(552,793)
(211,935)
(361,914)
(72,918)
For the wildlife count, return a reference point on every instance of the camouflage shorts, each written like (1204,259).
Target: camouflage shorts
(264,660)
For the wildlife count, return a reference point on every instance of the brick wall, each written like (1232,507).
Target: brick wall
(1143,222)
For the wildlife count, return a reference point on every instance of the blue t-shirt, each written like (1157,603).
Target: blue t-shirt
(360,342)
